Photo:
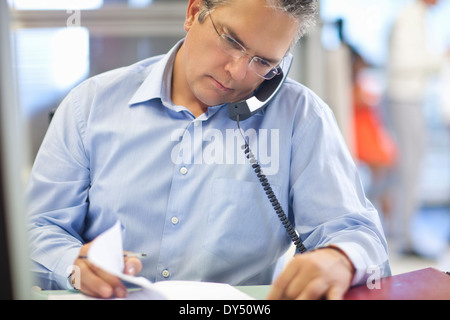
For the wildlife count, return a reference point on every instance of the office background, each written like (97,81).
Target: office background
(57,44)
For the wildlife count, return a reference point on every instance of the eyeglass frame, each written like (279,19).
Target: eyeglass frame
(275,70)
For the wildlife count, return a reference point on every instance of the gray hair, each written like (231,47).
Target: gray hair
(304,11)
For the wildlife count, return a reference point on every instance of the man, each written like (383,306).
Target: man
(152,146)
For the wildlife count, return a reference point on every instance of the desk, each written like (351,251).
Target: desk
(422,284)
(425,284)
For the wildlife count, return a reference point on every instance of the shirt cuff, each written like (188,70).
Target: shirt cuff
(65,267)
(363,264)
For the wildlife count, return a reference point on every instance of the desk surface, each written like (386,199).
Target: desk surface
(425,284)
(417,285)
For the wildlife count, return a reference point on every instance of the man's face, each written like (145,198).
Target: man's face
(214,77)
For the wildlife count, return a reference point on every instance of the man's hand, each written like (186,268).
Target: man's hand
(98,283)
(324,273)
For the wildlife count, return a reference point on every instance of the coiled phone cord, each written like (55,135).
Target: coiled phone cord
(300,248)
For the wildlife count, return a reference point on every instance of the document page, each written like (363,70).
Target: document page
(106,252)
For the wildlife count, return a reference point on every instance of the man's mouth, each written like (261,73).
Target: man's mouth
(221,86)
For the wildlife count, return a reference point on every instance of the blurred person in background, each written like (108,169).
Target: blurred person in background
(374,146)
(411,62)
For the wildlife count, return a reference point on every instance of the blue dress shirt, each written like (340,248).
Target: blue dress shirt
(119,149)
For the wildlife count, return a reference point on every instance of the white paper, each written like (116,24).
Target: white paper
(190,290)
(106,252)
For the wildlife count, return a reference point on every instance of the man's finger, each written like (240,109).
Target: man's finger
(336,293)
(280,285)
(313,290)
(132,266)
(93,285)
(99,283)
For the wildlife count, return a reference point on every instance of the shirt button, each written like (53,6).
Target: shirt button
(165,273)
(183,170)
(174,220)
(196,123)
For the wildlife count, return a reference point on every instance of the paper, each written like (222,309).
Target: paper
(191,290)
(171,290)
(106,252)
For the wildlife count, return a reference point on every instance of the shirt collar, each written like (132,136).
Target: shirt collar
(158,82)
(157,85)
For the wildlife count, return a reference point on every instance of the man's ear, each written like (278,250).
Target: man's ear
(191,14)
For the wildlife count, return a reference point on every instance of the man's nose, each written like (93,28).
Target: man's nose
(238,67)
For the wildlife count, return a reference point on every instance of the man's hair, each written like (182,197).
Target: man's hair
(304,11)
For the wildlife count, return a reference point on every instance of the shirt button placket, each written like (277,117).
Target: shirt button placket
(174,220)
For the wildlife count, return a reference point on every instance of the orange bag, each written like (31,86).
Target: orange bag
(373,144)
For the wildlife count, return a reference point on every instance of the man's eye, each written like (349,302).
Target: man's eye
(263,63)
(231,42)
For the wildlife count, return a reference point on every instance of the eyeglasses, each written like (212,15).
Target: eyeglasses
(231,47)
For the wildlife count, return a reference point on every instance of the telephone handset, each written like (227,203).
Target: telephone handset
(263,95)
(246,108)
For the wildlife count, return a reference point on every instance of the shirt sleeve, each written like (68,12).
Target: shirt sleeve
(57,194)
(327,197)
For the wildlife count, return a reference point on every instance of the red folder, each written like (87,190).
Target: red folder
(425,284)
